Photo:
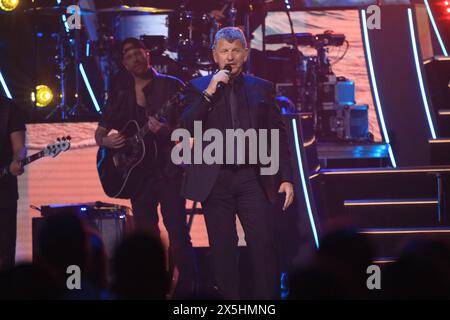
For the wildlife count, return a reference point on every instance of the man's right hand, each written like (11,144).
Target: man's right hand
(221,76)
(113,141)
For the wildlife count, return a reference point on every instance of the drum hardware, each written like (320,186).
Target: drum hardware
(190,35)
(233,13)
(68,56)
(56,11)
(134,10)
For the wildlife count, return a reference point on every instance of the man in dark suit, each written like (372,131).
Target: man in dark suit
(231,100)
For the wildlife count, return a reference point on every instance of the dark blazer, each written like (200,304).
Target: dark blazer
(199,179)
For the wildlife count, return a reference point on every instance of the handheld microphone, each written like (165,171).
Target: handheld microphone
(221,84)
(228,68)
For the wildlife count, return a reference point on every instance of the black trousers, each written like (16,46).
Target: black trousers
(166,192)
(8,225)
(239,191)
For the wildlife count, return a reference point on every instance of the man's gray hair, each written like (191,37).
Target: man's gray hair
(230,34)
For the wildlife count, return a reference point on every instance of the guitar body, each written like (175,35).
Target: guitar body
(119,169)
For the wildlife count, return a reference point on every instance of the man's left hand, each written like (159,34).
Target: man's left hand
(15,168)
(288,189)
(155,125)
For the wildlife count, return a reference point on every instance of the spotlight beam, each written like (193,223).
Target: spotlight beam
(305,189)
(375,87)
(435,28)
(5,86)
(419,75)
(89,88)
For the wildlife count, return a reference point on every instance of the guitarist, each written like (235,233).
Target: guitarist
(12,150)
(139,95)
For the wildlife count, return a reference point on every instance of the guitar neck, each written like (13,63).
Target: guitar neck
(172,102)
(144,130)
(32,158)
(5,170)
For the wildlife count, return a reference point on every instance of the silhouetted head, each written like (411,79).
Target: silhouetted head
(337,270)
(421,271)
(63,242)
(140,268)
(98,260)
(30,281)
(348,246)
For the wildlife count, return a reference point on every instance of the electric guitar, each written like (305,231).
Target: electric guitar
(52,150)
(118,168)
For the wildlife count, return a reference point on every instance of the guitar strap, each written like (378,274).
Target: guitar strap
(158,84)
(155,86)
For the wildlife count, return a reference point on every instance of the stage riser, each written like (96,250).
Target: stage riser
(440,152)
(393,216)
(339,188)
(383,201)
(444,122)
(390,245)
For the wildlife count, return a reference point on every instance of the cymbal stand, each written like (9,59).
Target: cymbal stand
(233,14)
(62,63)
(77,62)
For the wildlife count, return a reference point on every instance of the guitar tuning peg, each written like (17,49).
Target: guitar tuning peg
(69,138)
(58,139)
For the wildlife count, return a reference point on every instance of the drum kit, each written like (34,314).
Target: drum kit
(184,45)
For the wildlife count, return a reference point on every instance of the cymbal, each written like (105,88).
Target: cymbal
(56,11)
(128,9)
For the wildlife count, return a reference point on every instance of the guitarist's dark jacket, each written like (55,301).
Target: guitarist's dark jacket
(259,94)
(122,107)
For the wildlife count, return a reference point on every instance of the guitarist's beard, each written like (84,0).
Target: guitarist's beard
(146,75)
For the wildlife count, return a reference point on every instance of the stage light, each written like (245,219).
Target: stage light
(288,4)
(44,96)
(66,25)
(8,5)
